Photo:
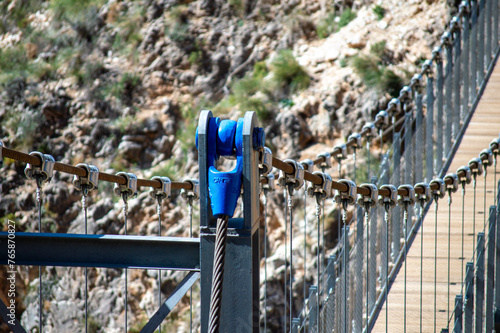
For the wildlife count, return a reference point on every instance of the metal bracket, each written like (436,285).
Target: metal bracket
(90,181)
(349,196)
(390,199)
(265,161)
(371,199)
(165,188)
(130,187)
(408,199)
(440,192)
(327,164)
(423,197)
(321,191)
(42,173)
(476,166)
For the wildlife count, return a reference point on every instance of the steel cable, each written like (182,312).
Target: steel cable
(435,256)
(190,212)
(218,274)
(290,202)
(421,258)
(405,250)
(125,213)
(265,262)
(158,211)
(40,296)
(449,254)
(84,204)
(285,310)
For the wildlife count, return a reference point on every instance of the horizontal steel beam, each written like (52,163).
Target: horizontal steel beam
(114,251)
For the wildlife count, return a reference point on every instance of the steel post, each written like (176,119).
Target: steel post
(457,85)
(479,283)
(469,297)
(439,116)
(489,35)
(490,268)
(473,49)
(480,51)
(429,130)
(241,273)
(465,66)
(457,327)
(448,116)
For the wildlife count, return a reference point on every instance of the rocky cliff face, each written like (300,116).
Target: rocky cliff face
(119,84)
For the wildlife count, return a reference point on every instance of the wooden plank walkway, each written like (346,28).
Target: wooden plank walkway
(484,126)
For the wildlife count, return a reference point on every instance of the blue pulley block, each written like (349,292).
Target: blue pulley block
(224,187)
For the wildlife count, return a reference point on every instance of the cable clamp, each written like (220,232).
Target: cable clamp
(416,81)
(455,25)
(165,189)
(370,199)
(269,182)
(88,182)
(342,152)
(394,107)
(382,120)
(327,164)
(322,191)
(356,137)
(464,8)
(308,165)
(494,146)
(128,189)
(296,178)
(467,177)
(424,197)
(440,192)
(437,54)
(388,200)
(427,67)
(453,187)
(446,39)
(406,199)
(486,157)
(347,197)
(371,131)
(405,94)
(194,192)
(476,166)
(265,161)
(42,173)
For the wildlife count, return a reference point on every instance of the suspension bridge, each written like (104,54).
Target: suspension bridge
(417,248)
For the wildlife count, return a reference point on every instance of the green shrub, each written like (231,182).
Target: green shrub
(17,13)
(123,88)
(73,9)
(326,26)
(288,73)
(378,49)
(347,16)
(379,11)
(195,57)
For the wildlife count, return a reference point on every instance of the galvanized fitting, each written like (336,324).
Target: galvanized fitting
(467,177)
(494,146)
(370,199)
(405,94)
(390,199)
(307,164)
(348,197)
(165,188)
(269,183)
(409,198)
(322,191)
(476,166)
(265,161)
(327,164)
(440,192)
(416,81)
(486,157)
(342,154)
(464,8)
(437,54)
(455,25)
(194,192)
(371,131)
(88,182)
(427,67)
(296,178)
(446,38)
(394,107)
(130,187)
(42,173)
(426,195)
(453,187)
(356,137)
(384,122)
